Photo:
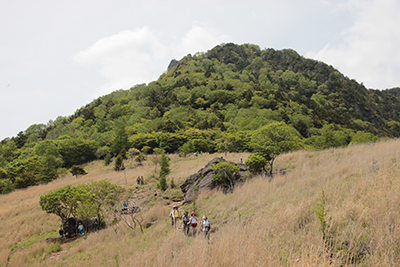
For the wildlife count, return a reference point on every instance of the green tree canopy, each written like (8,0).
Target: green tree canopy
(62,202)
(120,140)
(164,164)
(362,137)
(50,159)
(274,139)
(119,163)
(76,150)
(225,174)
(255,163)
(103,195)
(82,201)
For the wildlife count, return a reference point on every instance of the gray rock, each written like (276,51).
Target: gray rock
(138,164)
(203,179)
(172,64)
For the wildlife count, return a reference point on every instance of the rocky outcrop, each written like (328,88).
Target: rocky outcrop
(172,64)
(203,179)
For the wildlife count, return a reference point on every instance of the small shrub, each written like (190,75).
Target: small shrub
(163,183)
(164,165)
(6,186)
(225,174)
(53,248)
(172,185)
(77,170)
(119,163)
(322,215)
(146,149)
(141,157)
(107,159)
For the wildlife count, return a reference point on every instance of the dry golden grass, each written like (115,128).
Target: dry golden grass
(262,223)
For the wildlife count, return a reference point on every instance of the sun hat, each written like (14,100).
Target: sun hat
(204,217)
(192,212)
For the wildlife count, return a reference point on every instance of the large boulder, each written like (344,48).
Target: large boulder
(173,63)
(203,179)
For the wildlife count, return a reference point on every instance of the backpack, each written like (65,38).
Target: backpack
(206,227)
(185,219)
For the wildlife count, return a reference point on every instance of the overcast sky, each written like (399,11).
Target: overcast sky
(57,56)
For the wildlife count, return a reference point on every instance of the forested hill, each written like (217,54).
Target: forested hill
(211,101)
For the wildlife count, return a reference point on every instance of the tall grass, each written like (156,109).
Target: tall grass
(262,223)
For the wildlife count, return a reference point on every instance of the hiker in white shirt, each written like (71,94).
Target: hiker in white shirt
(206,227)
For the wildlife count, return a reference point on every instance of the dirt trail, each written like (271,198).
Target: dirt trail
(64,243)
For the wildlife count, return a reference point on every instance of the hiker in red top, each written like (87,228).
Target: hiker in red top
(193,223)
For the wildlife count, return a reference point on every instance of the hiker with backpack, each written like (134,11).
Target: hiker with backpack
(61,232)
(175,216)
(206,227)
(193,223)
(80,228)
(185,222)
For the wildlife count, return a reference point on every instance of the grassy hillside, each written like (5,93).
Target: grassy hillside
(263,223)
(208,102)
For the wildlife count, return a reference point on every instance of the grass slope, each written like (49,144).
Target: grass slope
(263,223)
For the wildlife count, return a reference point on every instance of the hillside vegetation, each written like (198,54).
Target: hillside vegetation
(336,206)
(208,102)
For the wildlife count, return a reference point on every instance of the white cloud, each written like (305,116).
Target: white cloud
(369,48)
(126,58)
(199,39)
(132,57)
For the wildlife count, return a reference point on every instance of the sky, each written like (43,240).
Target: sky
(57,56)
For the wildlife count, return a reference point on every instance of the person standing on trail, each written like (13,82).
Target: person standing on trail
(206,227)
(172,218)
(141,180)
(185,222)
(80,228)
(138,180)
(61,232)
(193,223)
(175,216)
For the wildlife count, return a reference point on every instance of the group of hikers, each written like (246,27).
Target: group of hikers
(190,222)
(140,180)
(65,233)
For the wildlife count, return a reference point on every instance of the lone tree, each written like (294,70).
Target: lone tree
(119,163)
(164,171)
(63,202)
(77,170)
(225,175)
(155,159)
(164,164)
(274,139)
(83,201)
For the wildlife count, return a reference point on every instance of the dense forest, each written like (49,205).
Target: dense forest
(207,102)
